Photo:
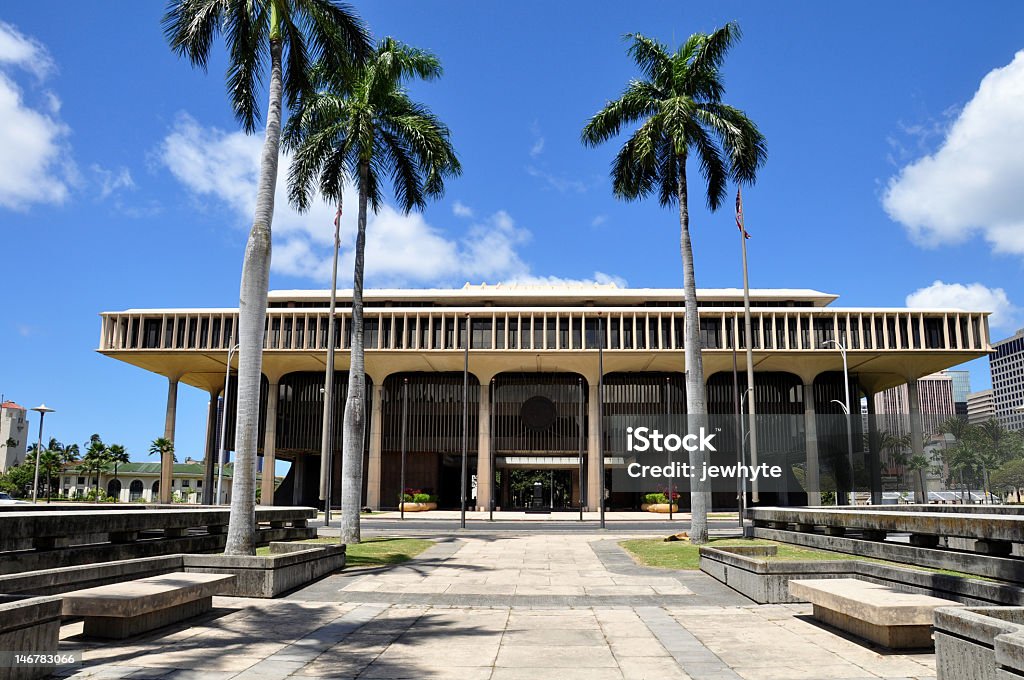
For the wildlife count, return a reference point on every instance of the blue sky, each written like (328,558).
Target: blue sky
(894,133)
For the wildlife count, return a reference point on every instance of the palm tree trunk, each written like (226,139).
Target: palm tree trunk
(695,401)
(252,319)
(355,402)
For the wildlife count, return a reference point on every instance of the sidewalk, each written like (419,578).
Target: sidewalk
(575,607)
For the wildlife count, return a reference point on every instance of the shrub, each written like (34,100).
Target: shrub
(423,498)
(655,498)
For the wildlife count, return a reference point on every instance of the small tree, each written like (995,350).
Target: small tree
(95,460)
(1009,477)
(164,448)
(118,456)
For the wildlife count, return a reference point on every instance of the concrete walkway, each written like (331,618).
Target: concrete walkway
(502,608)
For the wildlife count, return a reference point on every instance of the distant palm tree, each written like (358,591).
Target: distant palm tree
(165,449)
(292,34)
(95,461)
(361,126)
(118,456)
(678,106)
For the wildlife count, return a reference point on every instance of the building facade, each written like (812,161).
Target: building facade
(980,407)
(551,371)
(936,399)
(13,434)
(140,482)
(1007,366)
(961,388)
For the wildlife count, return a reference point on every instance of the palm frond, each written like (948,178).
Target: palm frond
(190,27)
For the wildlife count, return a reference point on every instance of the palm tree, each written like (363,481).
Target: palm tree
(118,456)
(292,34)
(49,459)
(678,106)
(360,126)
(165,449)
(919,464)
(95,461)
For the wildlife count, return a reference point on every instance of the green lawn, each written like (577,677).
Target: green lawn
(374,552)
(655,552)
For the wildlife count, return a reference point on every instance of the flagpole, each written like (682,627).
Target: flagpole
(749,342)
(327,434)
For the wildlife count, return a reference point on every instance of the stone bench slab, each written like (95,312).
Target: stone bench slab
(124,609)
(878,613)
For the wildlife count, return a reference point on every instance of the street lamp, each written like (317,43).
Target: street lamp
(224,424)
(846,409)
(42,410)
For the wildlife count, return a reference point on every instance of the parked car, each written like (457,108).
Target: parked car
(5,499)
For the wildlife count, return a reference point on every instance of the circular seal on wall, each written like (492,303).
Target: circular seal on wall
(538,413)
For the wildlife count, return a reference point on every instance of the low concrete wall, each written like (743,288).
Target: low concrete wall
(767,581)
(64,579)
(1002,568)
(32,626)
(984,643)
(34,540)
(270,576)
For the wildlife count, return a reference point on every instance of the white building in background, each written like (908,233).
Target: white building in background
(980,407)
(13,434)
(1007,365)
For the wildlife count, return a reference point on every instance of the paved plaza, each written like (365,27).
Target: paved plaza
(501,607)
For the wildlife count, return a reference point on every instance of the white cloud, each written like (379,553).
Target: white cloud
(598,220)
(538,140)
(18,49)
(34,164)
(109,181)
(400,249)
(557,182)
(970,296)
(599,278)
(971,184)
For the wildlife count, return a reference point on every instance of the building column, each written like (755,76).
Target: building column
(874,453)
(167,460)
(212,451)
(298,478)
(373,472)
(916,436)
(269,444)
(484,472)
(595,466)
(812,473)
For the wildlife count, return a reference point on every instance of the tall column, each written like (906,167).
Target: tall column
(269,446)
(484,472)
(812,475)
(167,460)
(916,436)
(874,453)
(212,451)
(373,472)
(298,478)
(595,466)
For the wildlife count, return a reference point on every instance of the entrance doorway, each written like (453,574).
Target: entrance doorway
(541,490)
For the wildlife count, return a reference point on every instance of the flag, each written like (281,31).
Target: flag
(337,215)
(739,214)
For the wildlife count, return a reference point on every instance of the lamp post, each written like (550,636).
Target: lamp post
(42,410)
(846,409)
(465,426)
(224,425)
(327,431)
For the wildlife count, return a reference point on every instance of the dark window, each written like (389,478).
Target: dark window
(481,334)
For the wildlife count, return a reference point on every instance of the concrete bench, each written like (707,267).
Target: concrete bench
(122,610)
(888,617)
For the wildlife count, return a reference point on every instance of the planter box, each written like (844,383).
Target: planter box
(744,569)
(270,576)
(661,507)
(418,507)
(977,643)
(32,626)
